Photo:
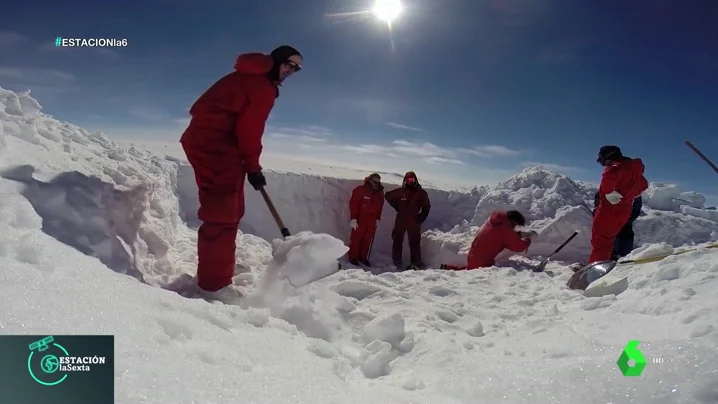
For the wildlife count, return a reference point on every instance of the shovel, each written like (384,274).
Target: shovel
(590,273)
(285,233)
(282,228)
(542,265)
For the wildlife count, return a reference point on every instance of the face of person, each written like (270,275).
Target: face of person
(292,65)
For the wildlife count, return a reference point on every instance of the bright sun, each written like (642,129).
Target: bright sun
(387,10)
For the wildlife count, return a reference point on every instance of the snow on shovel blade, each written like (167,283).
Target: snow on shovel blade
(307,257)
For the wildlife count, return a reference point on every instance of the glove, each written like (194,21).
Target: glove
(256,180)
(529,234)
(353,224)
(420,218)
(614,197)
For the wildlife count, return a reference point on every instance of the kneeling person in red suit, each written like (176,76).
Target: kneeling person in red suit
(497,234)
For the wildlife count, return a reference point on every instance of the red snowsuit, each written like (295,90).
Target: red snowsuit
(365,206)
(494,236)
(223,143)
(624,176)
(412,208)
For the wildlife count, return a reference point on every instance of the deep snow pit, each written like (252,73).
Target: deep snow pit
(80,213)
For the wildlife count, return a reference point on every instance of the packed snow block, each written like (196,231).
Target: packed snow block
(306,257)
(711,215)
(387,328)
(662,196)
(673,228)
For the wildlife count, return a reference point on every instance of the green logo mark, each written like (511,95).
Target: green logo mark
(629,353)
(49,364)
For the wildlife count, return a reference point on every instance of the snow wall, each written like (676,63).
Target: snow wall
(135,211)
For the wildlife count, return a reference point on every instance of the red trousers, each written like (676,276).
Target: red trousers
(220,180)
(607,223)
(413,231)
(360,239)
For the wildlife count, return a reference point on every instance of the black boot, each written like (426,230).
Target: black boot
(365,262)
(354,262)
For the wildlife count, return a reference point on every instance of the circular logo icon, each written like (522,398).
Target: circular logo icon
(44,365)
(50,363)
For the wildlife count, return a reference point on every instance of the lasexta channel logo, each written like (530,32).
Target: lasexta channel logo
(50,364)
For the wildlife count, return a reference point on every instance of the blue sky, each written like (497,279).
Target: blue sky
(468,90)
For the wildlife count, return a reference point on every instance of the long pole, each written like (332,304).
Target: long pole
(701,155)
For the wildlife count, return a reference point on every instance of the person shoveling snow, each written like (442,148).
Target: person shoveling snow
(223,143)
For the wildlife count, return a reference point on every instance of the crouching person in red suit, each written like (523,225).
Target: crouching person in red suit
(497,234)
(365,207)
(223,143)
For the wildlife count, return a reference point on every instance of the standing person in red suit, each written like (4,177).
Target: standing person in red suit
(412,206)
(622,182)
(497,234)
(365,207)
(223,143)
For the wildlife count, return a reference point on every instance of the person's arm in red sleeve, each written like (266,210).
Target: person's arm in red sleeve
(609,179)
(355,203)
(514,242)
(249,128)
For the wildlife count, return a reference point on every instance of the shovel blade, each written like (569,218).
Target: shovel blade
(541,266)
(589,274)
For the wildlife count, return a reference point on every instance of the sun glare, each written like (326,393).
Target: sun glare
(387,10)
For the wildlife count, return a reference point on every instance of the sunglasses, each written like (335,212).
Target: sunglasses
(294,66)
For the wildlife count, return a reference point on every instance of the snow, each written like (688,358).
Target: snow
(80,213)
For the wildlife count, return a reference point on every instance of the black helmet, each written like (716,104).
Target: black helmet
(608,153)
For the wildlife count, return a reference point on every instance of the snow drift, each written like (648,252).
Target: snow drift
(74,205)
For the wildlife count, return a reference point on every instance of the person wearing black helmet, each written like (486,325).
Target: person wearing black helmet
(621,183)
(223,143)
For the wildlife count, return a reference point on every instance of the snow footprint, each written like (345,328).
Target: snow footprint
(174,329)
(359,290)
(447,316)
(441,291)
(701,330)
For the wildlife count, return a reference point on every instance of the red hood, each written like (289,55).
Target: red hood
(253,63)
(499,219)
(636,165)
